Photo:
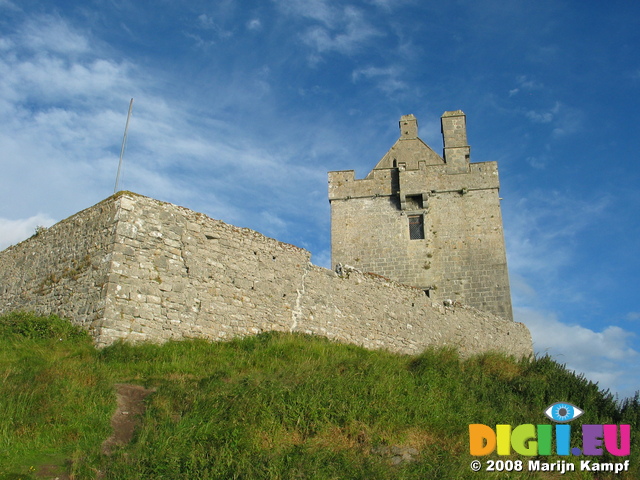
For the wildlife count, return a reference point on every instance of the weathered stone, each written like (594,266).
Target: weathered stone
(244,283)
(457,246)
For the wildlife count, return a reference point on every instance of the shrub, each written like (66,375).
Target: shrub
(30,325)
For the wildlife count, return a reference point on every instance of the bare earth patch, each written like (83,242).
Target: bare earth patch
(129,410)
(127,416)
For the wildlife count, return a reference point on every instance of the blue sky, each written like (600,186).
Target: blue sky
(242,107)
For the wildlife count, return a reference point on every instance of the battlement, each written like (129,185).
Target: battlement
(136,269)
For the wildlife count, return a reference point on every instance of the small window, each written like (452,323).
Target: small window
(416,227)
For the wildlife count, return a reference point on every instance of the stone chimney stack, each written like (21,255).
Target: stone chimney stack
(408,127)
(454,137)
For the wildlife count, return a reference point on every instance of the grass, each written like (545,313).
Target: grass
(274,406)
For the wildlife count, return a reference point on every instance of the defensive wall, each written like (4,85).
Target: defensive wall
(137,269)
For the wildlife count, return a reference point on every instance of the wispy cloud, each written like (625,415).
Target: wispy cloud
(49,33)
(538,162)
(526,84)
(342,29)
(350,35)
(254,24)
(389,4)
(207,22)
(319,10)
(57,120)
(541,233)
(544,116)
(386,79)
(62,121)
(563,119)
(541,227)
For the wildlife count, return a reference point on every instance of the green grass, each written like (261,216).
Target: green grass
(274,406)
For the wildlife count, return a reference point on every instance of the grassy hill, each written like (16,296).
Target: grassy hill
(275,406)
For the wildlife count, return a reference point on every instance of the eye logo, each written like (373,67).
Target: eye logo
(563,412)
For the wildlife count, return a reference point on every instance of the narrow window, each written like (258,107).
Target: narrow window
(416,227)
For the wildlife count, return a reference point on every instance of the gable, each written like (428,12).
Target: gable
(409,152)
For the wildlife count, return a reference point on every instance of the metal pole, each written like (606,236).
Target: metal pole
(124,142)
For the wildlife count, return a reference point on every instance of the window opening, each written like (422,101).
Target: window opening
(416,227)
(414,202)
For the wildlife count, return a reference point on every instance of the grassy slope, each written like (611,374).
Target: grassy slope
(274,406)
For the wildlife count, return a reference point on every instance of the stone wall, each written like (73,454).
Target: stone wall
(137,269)
(63,269)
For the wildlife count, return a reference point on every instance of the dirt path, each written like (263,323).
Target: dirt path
(126,418)
(129,410)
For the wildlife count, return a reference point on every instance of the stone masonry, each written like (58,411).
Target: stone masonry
(138,269)
(425,220)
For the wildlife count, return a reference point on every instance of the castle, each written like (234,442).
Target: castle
(425,220)
(137,269)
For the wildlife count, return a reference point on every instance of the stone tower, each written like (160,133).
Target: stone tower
(424,220)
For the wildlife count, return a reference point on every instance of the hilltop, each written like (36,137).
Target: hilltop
(271,406)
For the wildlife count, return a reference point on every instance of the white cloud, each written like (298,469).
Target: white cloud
(341,29)
(14,231)
(47,79)
(49,33)
(543,117)
(525,84)
(541,234)
(348,40)
(389,4)
(605,357)
(562,118)
(61,124)
(565,120)
(538,162)
(315,9)
(207,22)
(254,24)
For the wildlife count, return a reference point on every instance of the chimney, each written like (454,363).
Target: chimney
(454,137)
(408,126)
